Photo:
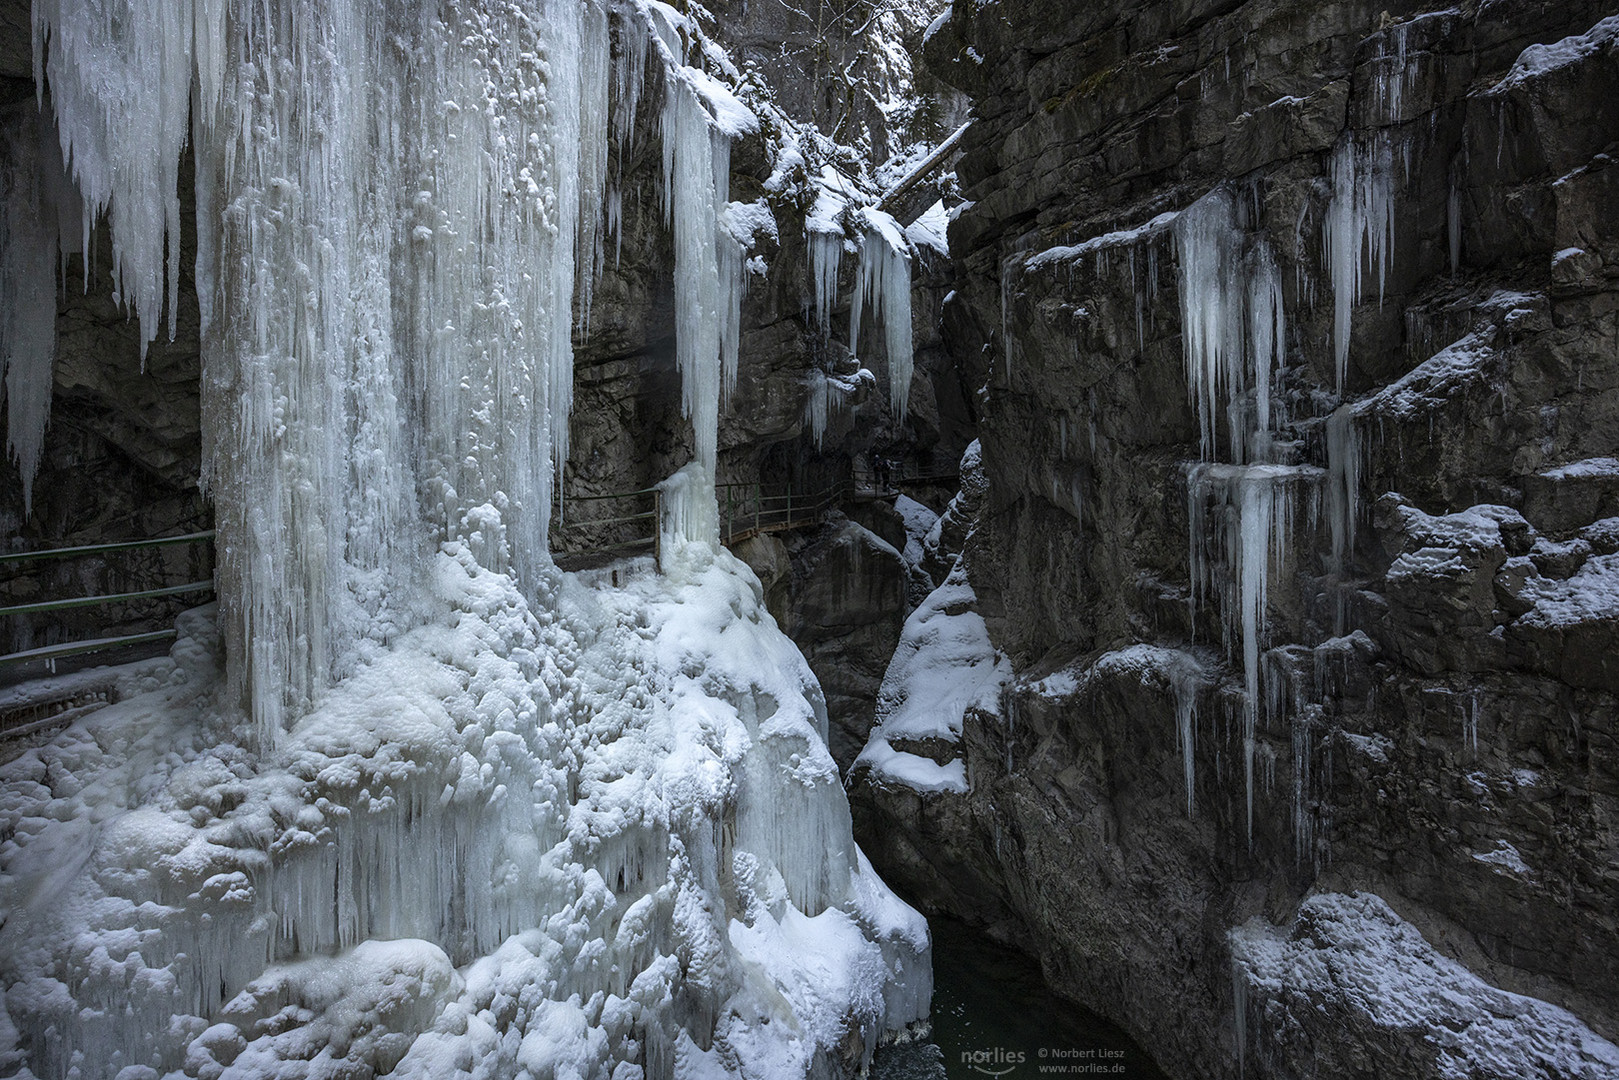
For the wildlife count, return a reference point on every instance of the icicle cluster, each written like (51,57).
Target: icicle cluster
(1234,325)
(1240,519)
(885,283)
(825,255)
(120,79)
(1234,331)
(824,399)
(1359,228)
(39,219)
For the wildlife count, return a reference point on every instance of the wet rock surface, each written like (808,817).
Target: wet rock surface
(1432,644)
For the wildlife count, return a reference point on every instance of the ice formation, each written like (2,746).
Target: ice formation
(596,826)
(1240,522)
(443,810)
(829,395)
(708,260)
(39,221)
(1343,489)
(885,284)
(825,254)
(1359,228)
(1233,322)
(1234,333)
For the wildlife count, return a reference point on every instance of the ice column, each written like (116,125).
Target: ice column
(708,261)
(389,244)
(1239,519)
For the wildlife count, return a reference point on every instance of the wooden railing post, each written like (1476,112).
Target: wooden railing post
(657,530)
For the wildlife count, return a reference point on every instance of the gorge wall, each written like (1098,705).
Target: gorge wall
(1289,551)
(1296,327)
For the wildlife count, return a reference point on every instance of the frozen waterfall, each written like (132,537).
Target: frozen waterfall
(443,810)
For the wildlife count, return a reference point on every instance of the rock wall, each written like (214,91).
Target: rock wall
(1313,608)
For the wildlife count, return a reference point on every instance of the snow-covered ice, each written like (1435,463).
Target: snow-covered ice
(599,828)
(944,665)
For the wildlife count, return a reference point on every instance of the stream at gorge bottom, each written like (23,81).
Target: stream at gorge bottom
(993,1016)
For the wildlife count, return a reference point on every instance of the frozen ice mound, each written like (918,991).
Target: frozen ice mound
(595,833)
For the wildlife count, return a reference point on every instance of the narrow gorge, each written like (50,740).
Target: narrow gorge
(892,538)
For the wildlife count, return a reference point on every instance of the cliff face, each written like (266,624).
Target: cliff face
(1296,329)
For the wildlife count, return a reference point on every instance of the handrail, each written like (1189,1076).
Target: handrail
(75,648)
(111,598)
(92,549)
(745,509)
(604,521)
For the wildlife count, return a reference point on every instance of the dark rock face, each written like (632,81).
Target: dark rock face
(839,593)
(1434,641)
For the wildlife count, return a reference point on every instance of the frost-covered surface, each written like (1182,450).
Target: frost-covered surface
(1589,469)
(1590,596)
(1426,387)
(944,665)
(1119,238)
(930,230)
(1349,959)
(919,522)
(601,829)
(1538,60)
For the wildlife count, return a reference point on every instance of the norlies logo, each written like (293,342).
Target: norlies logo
(993,1062)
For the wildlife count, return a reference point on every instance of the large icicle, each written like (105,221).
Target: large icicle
(39,213)
(885,283)
(1233,324)
(120,76)
(700,117)
(1359,227)
(1240,519)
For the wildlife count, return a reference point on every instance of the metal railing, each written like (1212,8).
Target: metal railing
(745,510)
(58,651)
(749,510)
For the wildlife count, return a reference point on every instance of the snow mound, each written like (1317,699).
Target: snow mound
(598,830)
(944,665)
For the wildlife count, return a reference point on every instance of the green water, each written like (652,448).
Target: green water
(994,1017)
